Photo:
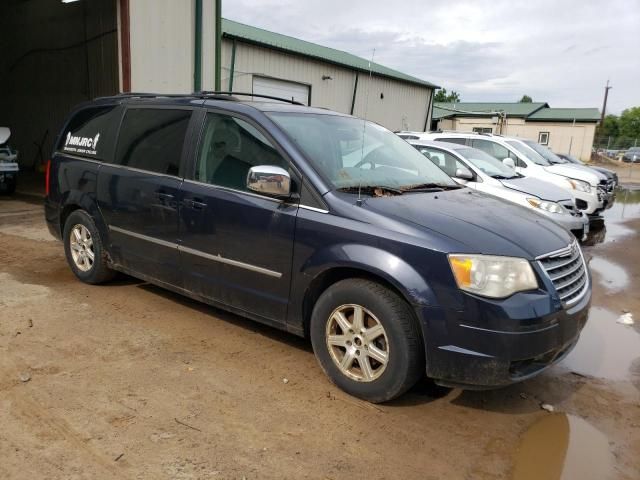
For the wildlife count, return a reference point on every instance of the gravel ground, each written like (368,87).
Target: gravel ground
(130,381)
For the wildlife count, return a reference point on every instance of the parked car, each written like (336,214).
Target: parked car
(388,265)
(605,187)
(610,174)
(8,163)
(484,173)
(632,155)
(515,153)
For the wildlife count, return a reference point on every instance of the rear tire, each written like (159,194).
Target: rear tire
(366,340)
(84,249)
(8,188)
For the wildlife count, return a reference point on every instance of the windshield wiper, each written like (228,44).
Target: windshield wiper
(429,187)
(503,177)
(373,190)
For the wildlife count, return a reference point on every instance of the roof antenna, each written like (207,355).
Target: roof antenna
(364,126)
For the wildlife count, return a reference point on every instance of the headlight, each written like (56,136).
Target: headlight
(492,276)
(551,207)
(579,185)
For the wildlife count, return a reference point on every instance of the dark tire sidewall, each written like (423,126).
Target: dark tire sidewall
(98,272)
(399,374)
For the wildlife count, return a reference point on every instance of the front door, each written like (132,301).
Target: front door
(235,245)
(138,193)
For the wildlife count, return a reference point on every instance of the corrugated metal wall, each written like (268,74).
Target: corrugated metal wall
(54,56)
(404,105)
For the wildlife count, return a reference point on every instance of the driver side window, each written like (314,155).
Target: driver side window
(229,147)
(447,162)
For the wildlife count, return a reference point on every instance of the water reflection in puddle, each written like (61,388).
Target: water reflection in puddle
(611,225)
(563,447)
(611,276)
(606,349)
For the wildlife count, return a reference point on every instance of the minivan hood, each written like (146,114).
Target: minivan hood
(539,188)
(578,172)
(483,223)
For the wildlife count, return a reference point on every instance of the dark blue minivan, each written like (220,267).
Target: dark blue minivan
(322,224)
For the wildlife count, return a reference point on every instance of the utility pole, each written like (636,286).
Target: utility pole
(604,105)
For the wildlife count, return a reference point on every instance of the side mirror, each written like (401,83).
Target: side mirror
(269,180)
(463,174)
(509,163)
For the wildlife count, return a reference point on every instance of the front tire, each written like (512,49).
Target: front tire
(366,340)
(84,249)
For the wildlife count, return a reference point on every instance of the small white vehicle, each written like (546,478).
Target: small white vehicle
(8,163)
(583,184)
(480,171)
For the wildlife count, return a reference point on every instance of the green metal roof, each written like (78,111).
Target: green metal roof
(566,115)
(231,29)
(489,108)
(538,111)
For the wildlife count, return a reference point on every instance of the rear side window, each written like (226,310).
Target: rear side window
(91,133)
(152,139)
(460,141)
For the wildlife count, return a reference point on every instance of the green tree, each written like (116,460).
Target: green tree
(609,128)
(442,96)
(629,123)
(526,99)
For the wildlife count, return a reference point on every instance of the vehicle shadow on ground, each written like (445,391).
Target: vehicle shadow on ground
(252,326)
(551,388)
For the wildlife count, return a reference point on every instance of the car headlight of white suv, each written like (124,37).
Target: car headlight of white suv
(579,185)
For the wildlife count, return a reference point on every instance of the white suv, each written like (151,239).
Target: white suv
(583,184)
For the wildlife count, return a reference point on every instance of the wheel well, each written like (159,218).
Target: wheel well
(328,278)
(66,211)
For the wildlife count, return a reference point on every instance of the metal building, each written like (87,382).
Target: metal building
(58,53)
(260,61)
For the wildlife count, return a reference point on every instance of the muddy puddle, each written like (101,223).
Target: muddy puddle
(563,447)
(611,225)
(610,275)
(606,349)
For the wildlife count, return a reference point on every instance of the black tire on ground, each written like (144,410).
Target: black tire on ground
(99,271)
(405,361)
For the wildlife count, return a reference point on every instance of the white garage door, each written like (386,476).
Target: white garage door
(281,88)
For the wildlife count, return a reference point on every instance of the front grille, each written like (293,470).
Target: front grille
(567,271)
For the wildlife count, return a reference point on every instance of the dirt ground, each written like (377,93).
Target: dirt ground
(130,381)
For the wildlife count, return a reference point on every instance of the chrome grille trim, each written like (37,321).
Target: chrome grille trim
(567,271)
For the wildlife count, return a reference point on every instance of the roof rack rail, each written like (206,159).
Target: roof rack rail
(226,95)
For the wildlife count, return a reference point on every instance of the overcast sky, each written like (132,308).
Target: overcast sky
(558,51)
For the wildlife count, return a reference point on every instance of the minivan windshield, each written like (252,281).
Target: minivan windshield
(352,153)
(489,165)
(534,156)
(545,152)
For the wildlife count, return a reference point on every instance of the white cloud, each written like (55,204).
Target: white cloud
(561,52)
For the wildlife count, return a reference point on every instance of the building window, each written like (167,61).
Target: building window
(483,129)
(543,138)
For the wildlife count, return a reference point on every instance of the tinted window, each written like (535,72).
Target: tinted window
(152,139)
(91,132)
(229,148)
(459,141)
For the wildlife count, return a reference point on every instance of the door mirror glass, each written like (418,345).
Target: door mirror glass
(269,180)
(463,173)
(509,163)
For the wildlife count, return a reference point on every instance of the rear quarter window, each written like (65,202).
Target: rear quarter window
(91,133)
(152,139)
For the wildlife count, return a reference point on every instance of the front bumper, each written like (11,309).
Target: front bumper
(590,203)
(494,343)
(578,224)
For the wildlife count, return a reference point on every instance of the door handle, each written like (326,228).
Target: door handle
(164,196)
(195,204)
